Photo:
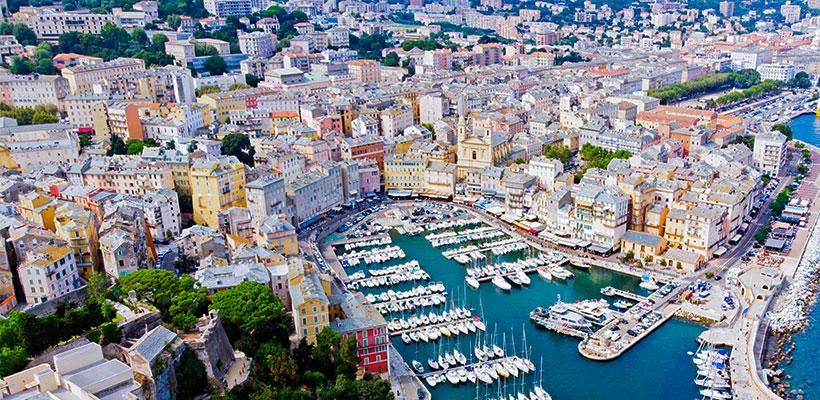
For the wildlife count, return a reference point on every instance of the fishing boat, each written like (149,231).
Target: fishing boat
(473,282)
(418,367)
(501,283)
(544,273)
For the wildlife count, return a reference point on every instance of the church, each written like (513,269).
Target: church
(481,150)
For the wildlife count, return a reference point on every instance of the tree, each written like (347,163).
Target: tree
(12,360)
(98,285)
(239,146)
(205,89)
(761,235)
(252,80)
(560,153)
(116,146)
(519,160)
(111,333)
(215,65)
(391,59)
(42,117)
(24,35)
(170,295)
(192,380)
(185,263)
(170,145)
(238,86)
(173,21)
(21,66)
(250,306)
(135,146)
(205,50)
(784,129)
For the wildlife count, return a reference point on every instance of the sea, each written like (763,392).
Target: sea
(804,369)
(656,368)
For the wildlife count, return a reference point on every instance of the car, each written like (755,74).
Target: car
(624,321)
(718,277)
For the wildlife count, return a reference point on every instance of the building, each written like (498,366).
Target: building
(162,214)
(432,108)
(256,44)
(32,90)
(545,170)
(277,234)
(40,144)
(49,25)
(50,271)
(644,246)
(395,120)
(266,197)
(308,293)
(770,152)
(352,315)
(404,172)
(365,70)
(127,176)
(601,215)
(79,227)
(217,183)
(790,12)
(83,78)
(225,8)
(217,279)
(750,58)
(777,72)
(221,104)
(727,8)
(79,373)
(125,240)
(314,193)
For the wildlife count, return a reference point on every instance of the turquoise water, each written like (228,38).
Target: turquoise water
(656,368)
(804,369)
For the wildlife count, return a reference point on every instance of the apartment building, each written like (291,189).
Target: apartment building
(49,25)
(32,90)
(277,234)
(128,175)
(217,183)
(776,72)
(404,172)
(365,70)
(354,316)
(50,271)
(168,84)
(545,170)
(257,44)
(88,111)
(750,58)
(601,215)
(225,8)
(40,144)
(162,215)
(770,152)
(699,229)
(82,78)
(221,104)
(314,193)
(126,243)
(308,293)
(396,119)
(266,197)
(79,227)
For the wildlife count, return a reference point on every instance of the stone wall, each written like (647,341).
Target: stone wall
(212,346)
(47,357)
(135,328)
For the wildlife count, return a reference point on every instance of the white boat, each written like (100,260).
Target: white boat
(405,338)
(712,383)
(452,377)
(480,325)
(418,367)
(473,282)
(480,354)
(414,336)
(545,274)
(511,368)
(715,394)
(461,358)
(524,278)
(622,305)
(542,394)
(450,359)
(432,363)
(423,336)
(649,283)
(431,381)
(462,375)
(499,352)
(501,370)
(501,283)
(470,325)
(462,328)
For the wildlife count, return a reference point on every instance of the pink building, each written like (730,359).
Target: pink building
(317,151)
(369,177)
(352,315)
(329,123)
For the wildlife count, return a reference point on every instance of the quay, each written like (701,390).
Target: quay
(598,352)
(528,270)
(436,325)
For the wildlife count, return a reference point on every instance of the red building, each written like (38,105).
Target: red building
(352,315)
(371,147)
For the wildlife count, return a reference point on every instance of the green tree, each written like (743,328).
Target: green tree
(12,360)
(215,65)
(24,35)
(185,264)
(250,306)
(21,66)
(173,21)
(238,86)
(192,380)
(116,146)
(205,50)
(784,129)
(135,146)
(42,117)
(560,153)
(98,285)
(252,80)
(170,295)
(111,333)
(205,89)
(239,146)
(391,59)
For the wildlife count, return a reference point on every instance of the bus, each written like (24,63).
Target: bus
(735,239)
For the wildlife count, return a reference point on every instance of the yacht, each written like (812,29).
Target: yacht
(649,283)
(418,367)
(715,394)
(544,273)
(431,381)
(473,282)
(524,278)
(608,291)
(432,363)
(622,305)
(558,314)
(405,338)
(501,283)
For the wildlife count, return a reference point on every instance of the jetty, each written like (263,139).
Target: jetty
(629,295)
(473,366)
(550,326)
(526,270)
(594,349)
(445,324)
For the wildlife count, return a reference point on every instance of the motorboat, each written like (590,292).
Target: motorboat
(432,363)
(460,357)
(622,305)
(405,338)
(515,280)
(715,394)
(452,377)
(431,381)
(462,375)
(418,367)
(544,273)
(501,283)
(560,315)
(471,375)
(648,283)
(524,278)
(608,291)
(473,282)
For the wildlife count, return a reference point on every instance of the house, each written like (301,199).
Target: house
(643,245)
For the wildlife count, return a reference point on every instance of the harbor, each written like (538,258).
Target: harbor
(506,316)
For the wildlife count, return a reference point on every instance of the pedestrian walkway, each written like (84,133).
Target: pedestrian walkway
(403,380)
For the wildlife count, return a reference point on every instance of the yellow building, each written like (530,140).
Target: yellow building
(404,172)
(277,234)
(221,104)
(38,207)
(217,184)
(78,226)
(308,292)
(642,245)
(5,158)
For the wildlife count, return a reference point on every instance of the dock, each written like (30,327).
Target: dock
(629,295)
(386,304)
(528,270)
(598,353)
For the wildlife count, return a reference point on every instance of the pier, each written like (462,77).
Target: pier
(629,295)
(543,323)
(473,366)
(526,270)
(436,325)
(598,352)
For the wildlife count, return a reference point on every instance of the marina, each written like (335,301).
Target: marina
(506,316)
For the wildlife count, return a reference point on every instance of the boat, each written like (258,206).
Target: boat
(542,394)
(450,359)
(608,291)
(462,375)
(442,362)
(561,273)
(431,381)
(712,383)
(405,338)
(715,394)
(622,305)
(498,351)
(515,280)
(648,283)
(544,273)
(524,278)
(460,357)
(471,375)
(462,328)
(432,363)
(452,377)
(423,335)
(473,282)
(478,324)
(560,315)
(418,367)
(511,368)
(501,370)
(501,283)
(480,354)
(444,331)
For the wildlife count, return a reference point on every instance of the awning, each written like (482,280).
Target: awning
(599,249)
(508,218)
(399,193)
(310,221)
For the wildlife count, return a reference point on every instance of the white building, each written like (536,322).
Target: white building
(162,214)
(364,126)
(266,197)
(432,108)
(225,8)
(545,170)
(777,72)
(396,119)
(769,152)
(41,144)
(750,58)
(256,44)
(50,272)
